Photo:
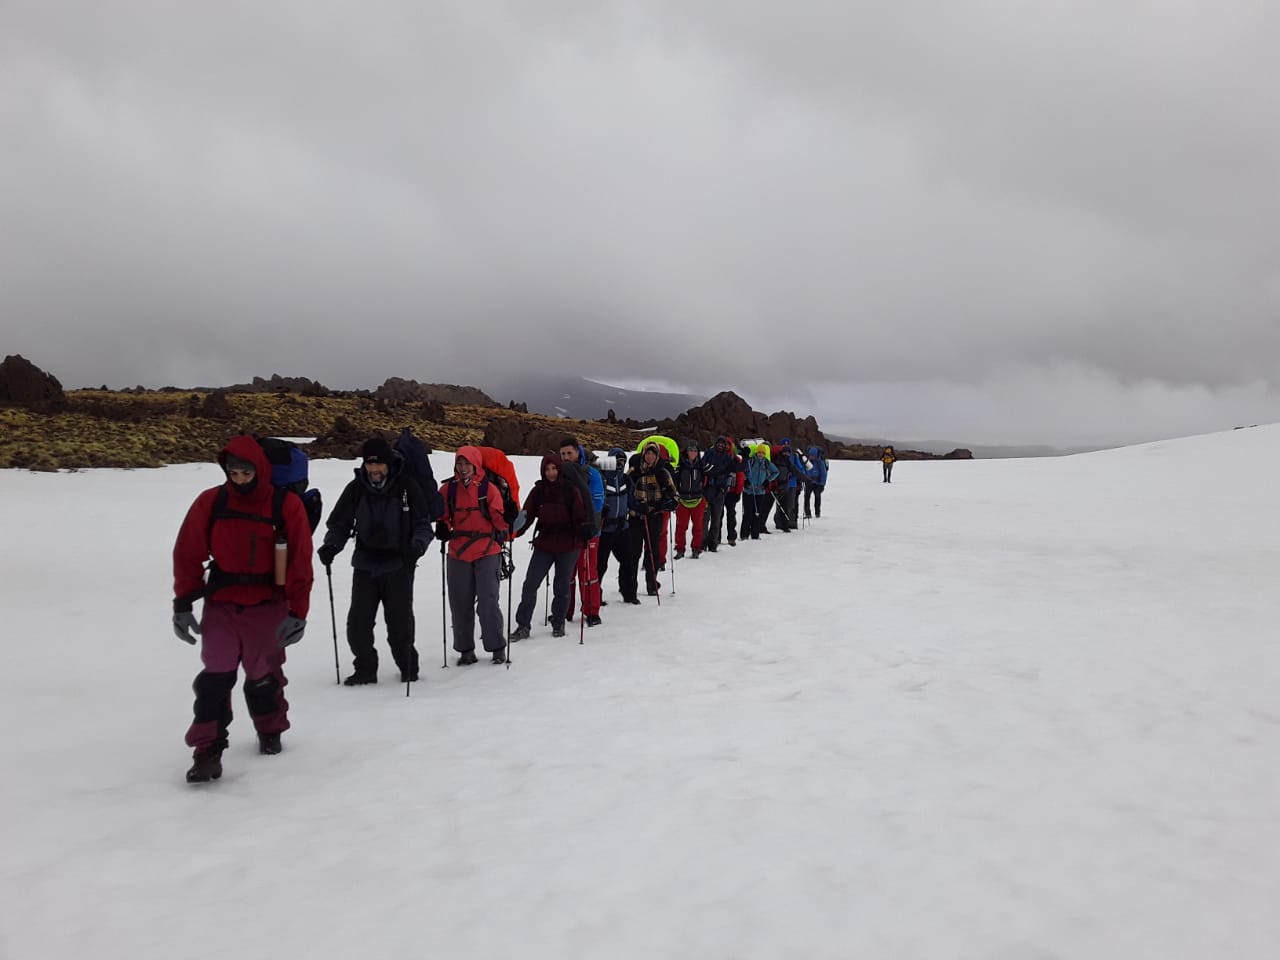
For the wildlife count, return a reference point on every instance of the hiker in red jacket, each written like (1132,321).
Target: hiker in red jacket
(475,531)
(256,599)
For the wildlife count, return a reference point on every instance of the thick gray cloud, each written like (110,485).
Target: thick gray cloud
(992,220)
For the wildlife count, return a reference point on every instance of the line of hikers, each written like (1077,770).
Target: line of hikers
(583,511)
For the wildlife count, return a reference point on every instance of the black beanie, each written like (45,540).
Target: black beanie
(376,450)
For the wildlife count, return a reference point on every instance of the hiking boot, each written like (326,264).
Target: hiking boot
(409,677)
(733,541)
(206,765)
(557,628)
(769,532)
(466,658)
(710,549)
(359,679)
(661,567)
(651,591)
(634,600)
(499,657)
(695,555)
(519,633)
(269,744)
(679,556)
(593,620)
(604,603)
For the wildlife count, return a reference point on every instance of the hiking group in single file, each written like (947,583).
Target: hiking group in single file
(245,549)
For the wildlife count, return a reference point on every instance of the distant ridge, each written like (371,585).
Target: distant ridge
(581,399)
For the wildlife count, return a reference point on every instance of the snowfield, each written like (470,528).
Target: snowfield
(995,710)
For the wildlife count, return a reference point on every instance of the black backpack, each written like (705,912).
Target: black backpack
(416,459)
(577,474)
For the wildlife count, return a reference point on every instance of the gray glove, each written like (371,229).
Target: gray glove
(186,626)
(290,630)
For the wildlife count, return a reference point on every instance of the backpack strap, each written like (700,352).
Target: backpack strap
(216,579)
(482,494)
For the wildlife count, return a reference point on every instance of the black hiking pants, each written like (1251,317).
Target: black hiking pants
(731,513)
(816,490)
(714,518)
(394,591)
(622,545)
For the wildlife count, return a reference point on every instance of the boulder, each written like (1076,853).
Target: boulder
(24,384)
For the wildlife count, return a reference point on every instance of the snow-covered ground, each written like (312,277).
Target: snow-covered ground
(1015,709)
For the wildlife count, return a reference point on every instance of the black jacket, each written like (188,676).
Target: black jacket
(392,525)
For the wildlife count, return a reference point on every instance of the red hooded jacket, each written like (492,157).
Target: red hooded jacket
(245,546)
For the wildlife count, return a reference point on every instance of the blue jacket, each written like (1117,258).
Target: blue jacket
(593,480)
(619,498)
(817,467)
(759,472)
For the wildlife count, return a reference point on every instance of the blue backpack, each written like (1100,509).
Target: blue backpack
(289,472)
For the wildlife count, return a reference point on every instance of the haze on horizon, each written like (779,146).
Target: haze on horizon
(990,222)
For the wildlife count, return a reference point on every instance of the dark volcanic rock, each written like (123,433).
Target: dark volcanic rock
(397,390)
(216,406)
(24,384)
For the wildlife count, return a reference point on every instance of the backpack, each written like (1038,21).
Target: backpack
(289,470)
(576,473)
(416,458)
(500,472)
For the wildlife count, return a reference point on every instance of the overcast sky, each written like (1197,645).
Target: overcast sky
(990,221)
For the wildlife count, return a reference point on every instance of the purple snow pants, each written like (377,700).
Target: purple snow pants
(232,635)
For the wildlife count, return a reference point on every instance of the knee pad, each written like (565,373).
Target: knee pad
(212,691)
(260,695)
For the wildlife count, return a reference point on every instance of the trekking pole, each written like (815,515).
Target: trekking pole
(333,620)
(582,595)
(672,555)
(782,512)
(546,585)
(444,630)
(511,565)
(653,559)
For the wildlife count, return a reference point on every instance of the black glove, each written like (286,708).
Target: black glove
(418,548)
(443,533)
(641,509)
(586,531)
(668,506)
(185,626)
(326,553)
(290,630)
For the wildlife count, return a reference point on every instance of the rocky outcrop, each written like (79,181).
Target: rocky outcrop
(278,384)
(23,384)
(727,414)
(396,390)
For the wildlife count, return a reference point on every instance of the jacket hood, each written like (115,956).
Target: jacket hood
(813,451)
(474,457)
(546,459)
(245,447)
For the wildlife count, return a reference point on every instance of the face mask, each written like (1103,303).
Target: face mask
(244,489)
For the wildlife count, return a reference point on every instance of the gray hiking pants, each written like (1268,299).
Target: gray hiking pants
(473,587)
